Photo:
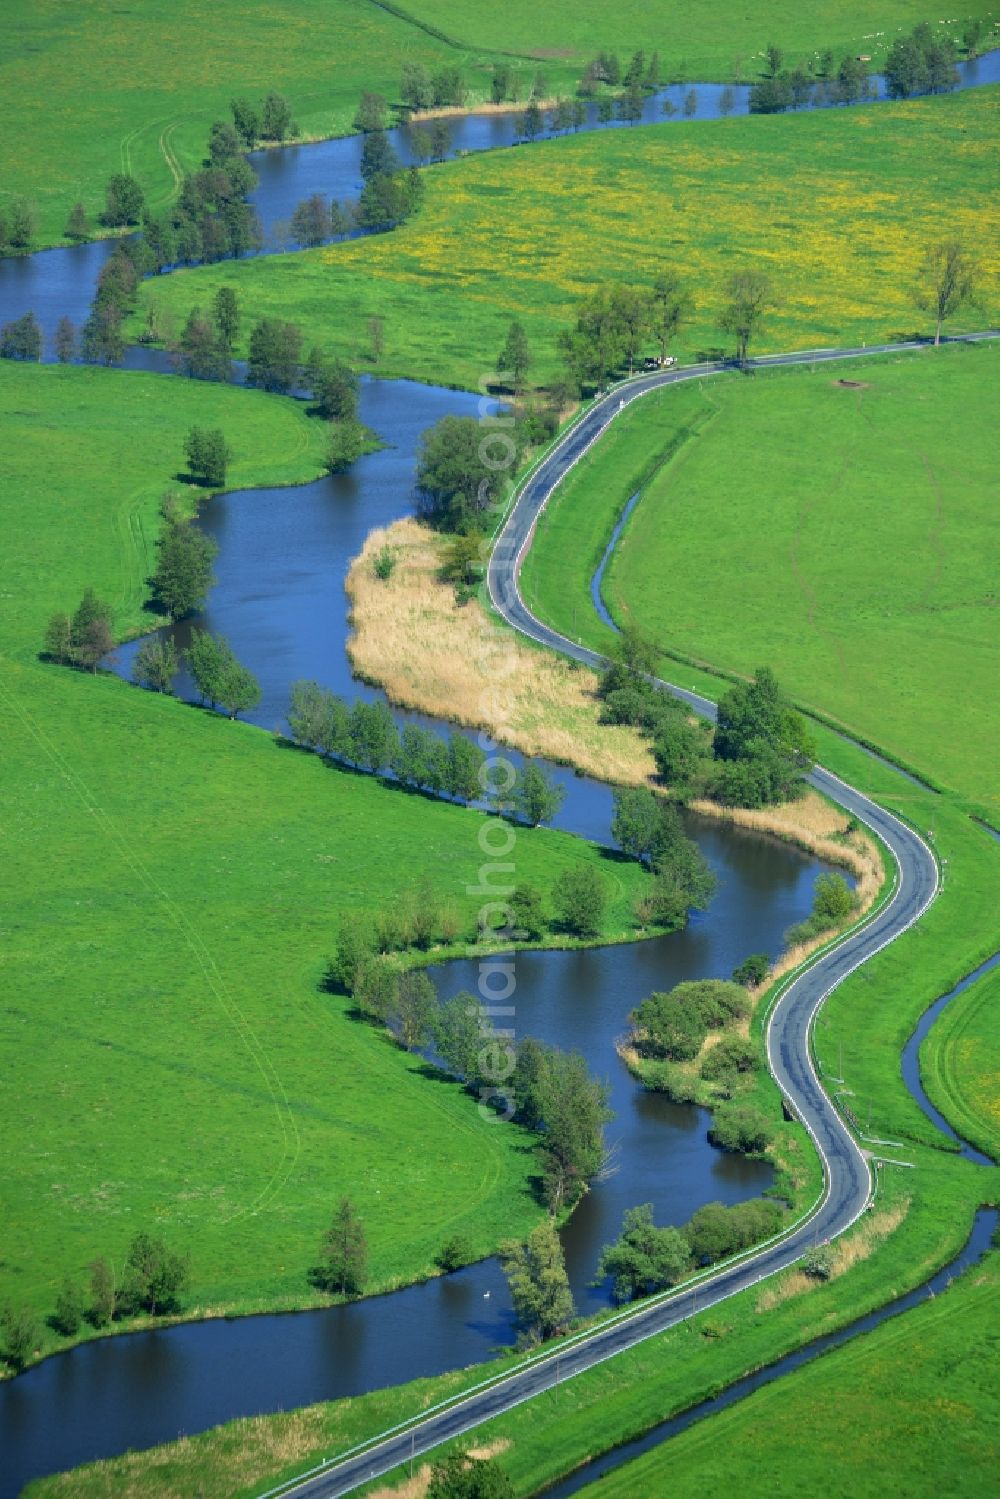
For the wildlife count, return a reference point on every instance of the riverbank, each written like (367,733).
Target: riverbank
(218,861)
(428,651)
(448,282)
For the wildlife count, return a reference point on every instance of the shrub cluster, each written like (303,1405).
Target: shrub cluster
(673,1026)
(646,1259)
(833,902)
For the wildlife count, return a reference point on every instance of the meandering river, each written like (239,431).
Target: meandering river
(280,601)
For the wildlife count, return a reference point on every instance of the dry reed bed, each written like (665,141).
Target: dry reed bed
(412,638)
(851,1249)
(428,652)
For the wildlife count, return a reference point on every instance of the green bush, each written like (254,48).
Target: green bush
(742,1128)
(818,1262)
(732,1055)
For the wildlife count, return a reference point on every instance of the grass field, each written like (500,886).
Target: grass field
(700,40)
(172,884)
(839,206)
(960,1064)
(872,1013)
(863,522)
(919,1397)
(88,91)
(921,1222)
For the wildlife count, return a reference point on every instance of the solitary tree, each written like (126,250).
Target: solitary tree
(21,339)
(372,112)
(219,676)
(532,122)
(947,281)
(275,118)
(310,223)
(64,340)
(458,475)
(580,897)
(102,340)
(537,796)
(274,353)
(202,352)
(227,316)
(667,306)
(90,632)
(58,641)
(77,227)
(21,225)
(123,201)
(156,664)
(539,1285)
(412,1015)
(183,574)
(645,1258)
(457,1476)
(515,356)
(20,1335)
(246,119)
(343,1267)
(68,1312)
(103,1292)
(345,444)
(208,455)
(238,688)
(748,298)
(154,1276)
(416,89)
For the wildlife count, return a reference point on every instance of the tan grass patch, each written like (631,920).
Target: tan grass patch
(873,1229)
(858,1245)
(417,1486)
(244,1453)
(785,1288)
(412,638)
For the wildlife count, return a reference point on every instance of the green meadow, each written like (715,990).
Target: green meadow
(702,40)
(926,1211)
(172,884)
(857,500)
(838,206)
(919,1397)
(97,89)
(960,1064)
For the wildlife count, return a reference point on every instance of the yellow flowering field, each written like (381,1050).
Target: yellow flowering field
(838,206)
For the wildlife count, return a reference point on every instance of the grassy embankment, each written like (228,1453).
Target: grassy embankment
(860,514)
(173,883)
(922,1220)
(960,1064)
(526,233)
(919,1397)
(871,1015)
(88,94)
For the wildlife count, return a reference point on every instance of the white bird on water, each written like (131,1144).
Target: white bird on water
(486,1295)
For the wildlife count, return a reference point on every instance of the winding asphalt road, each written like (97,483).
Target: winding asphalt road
(848,1180)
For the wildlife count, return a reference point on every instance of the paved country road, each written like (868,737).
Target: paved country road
(848,1181)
